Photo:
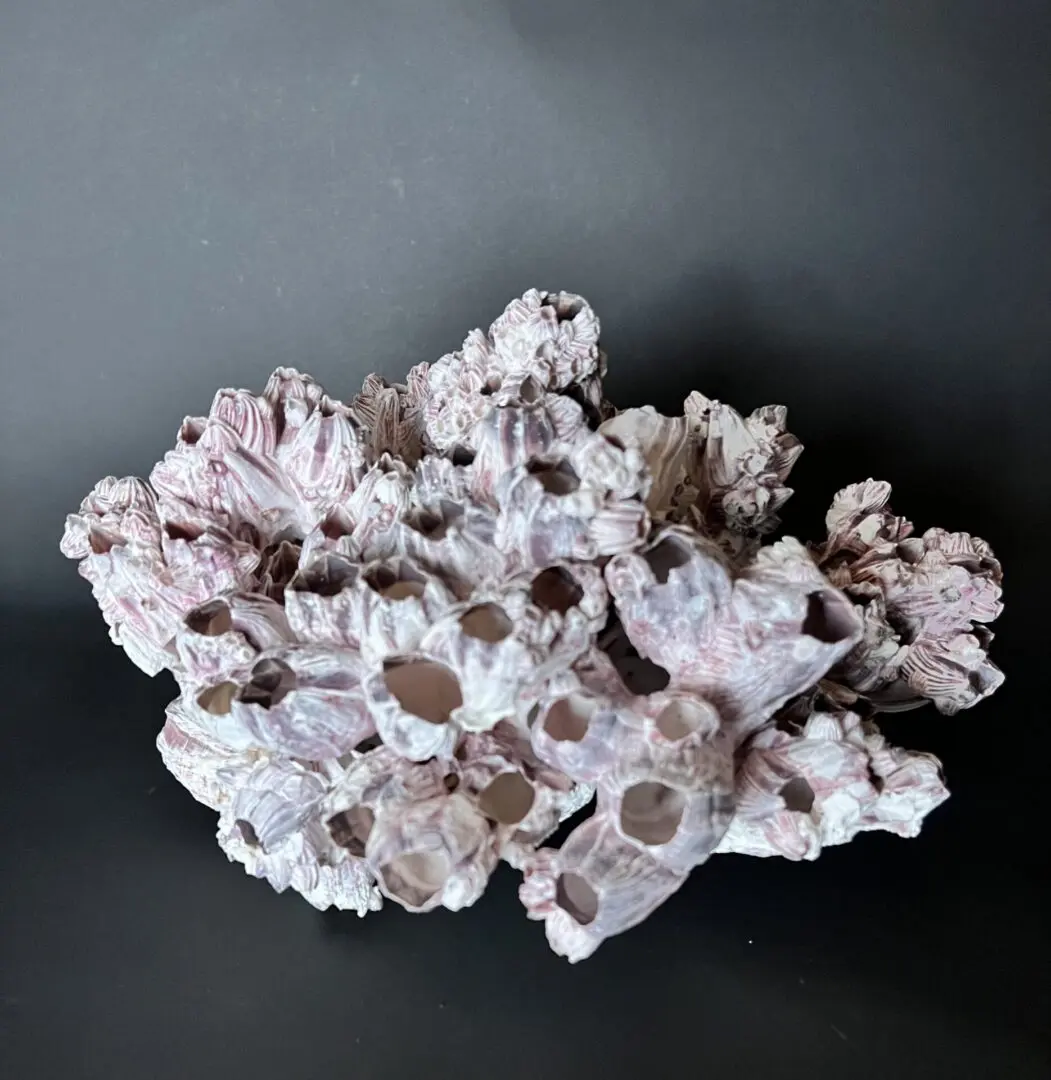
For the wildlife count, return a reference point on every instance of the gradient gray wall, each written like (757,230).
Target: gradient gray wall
(841,206)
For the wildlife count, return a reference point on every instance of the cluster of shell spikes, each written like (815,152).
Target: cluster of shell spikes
(414,633)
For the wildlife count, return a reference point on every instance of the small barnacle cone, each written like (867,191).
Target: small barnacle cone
(523,798)
(147,568)
(195,757)
(436,852)
(459,393)
(416,703)
(270,825)
(366,525)
(395,604)
(553,336)
(374,782)
(954,673)
(456,542)
(578,729)
(793,627)
(596,885)
(302,701)
(670,595)
(858,521)
(223,465)
(451,477)
(318,604)
(327,457)
(671,788)
(515,434)
(380,608)
(222,639)
(576,592)
(278,563)
(502,647)
(492,652)
(547,514)
(542,344)
(665,443)
(392,415)
(801,788)
(739,469)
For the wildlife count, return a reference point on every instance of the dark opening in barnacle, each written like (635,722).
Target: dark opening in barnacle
(271,681)
(798,795)
(211,619)
(556,478)
(507,798)
(216,699)
(668,555)
(350,828)
(327,575)
(424,688)
(651,812)
(568,718)
(680,718)
(829,617)
(575,896)
(416,876)
(486,622)
(397,582)
(434,523)
(555,589)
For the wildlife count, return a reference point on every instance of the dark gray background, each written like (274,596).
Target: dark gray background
(840,206)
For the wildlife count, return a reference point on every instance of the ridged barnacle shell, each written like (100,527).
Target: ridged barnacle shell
(523,798)
(196,757)
(578,729)
(426,844)
(455,540)
(392,414)
(924,601)
(549,511)
(665,443)
(365,525)
(416,704)
(501,647)
(379,608)
(302,701)
(519,432)
(270,826)
(800,789)
(222,639)
(739,466)
(542,342)
(671,788)
(148,570)
(596,885)
(748,643)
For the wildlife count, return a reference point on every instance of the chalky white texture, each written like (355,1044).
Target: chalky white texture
(414,633)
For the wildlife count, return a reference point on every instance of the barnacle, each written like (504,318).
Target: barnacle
(414,633)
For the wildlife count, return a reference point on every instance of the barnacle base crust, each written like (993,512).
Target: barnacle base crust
(414,633)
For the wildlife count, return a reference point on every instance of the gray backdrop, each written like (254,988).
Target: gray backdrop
(842,206)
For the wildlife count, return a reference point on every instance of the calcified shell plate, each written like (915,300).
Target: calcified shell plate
(414,633)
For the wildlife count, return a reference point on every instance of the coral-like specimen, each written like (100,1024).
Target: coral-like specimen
(414,633)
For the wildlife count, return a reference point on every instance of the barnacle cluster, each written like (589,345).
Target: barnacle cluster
(414,632)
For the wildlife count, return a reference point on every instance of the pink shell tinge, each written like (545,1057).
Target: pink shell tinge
(414,633)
